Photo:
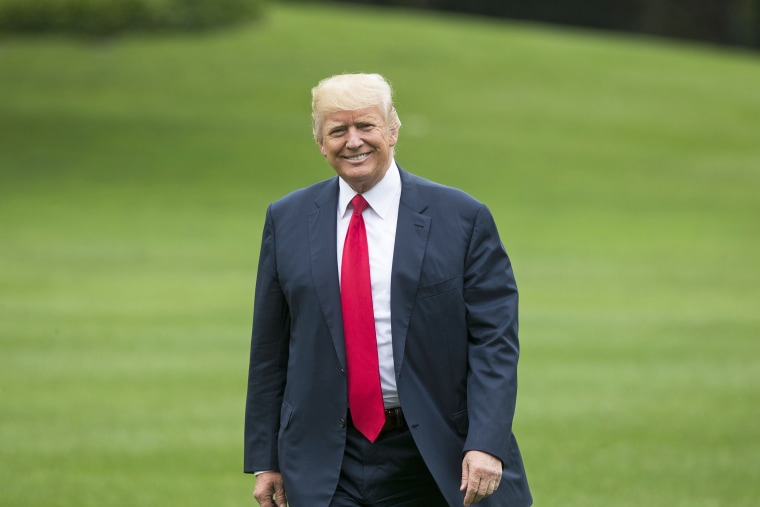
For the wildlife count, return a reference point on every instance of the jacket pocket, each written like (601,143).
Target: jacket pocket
(286,412)
(461,422)
(426,291)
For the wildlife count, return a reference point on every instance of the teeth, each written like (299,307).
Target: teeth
(358,157)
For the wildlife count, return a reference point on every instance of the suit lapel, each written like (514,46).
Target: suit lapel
(411,240)
(324,266)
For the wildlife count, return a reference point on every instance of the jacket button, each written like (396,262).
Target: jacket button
(342,371)
(342,423)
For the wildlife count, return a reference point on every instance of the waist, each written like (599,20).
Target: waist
(394,420)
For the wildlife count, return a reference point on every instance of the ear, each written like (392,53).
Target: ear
(321,144)
(393,139)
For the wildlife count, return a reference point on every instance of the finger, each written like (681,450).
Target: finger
(472,491)
(487,491)
(482,491)
(264,501)
(491,486)
(267,485)
(485,487)
(280,497)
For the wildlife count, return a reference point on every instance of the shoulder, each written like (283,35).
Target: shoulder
(305,199)
(443,197)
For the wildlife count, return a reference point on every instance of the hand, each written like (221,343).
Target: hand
(269,490)
(481,474)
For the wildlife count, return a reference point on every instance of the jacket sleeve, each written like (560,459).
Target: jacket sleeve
(491,301)
(267,370)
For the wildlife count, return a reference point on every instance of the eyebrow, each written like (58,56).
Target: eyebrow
(359,119)
(333,125)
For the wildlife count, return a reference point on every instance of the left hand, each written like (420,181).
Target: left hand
(481,473)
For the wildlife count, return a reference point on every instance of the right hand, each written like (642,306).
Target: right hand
(269,490)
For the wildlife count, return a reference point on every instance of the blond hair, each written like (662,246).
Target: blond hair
(348,92)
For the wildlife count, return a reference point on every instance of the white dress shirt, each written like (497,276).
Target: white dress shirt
(380,221)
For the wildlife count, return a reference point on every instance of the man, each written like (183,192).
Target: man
(383,367)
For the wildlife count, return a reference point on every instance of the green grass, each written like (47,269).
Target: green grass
(134,173)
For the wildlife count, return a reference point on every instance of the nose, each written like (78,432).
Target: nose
(354,139)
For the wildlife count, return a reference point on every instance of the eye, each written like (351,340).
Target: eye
(338,131)
(366,126)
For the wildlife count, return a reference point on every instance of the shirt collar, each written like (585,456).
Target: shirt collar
(380,197)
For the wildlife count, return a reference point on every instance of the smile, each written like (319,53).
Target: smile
(358,158)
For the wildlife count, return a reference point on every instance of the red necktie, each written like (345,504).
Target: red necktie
(365,398)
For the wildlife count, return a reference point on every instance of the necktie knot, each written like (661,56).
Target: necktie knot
(360,204)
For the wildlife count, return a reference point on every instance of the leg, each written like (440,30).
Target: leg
(388,473)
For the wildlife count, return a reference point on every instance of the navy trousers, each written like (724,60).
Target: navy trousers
(387,473)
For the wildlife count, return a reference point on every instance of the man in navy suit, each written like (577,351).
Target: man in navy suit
(441,306)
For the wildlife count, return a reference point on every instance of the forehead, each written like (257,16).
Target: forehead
(351,117)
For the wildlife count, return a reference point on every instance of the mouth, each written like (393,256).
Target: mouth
(358,158)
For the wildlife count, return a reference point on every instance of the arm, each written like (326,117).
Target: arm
(493,348)
(268,360)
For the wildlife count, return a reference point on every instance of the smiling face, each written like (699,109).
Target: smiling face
(358,145)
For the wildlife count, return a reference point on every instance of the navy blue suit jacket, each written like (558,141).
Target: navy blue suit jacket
(455,344)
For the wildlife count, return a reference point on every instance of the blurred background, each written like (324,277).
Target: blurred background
(617,144)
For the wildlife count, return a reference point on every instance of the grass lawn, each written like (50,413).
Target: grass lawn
(134,173)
